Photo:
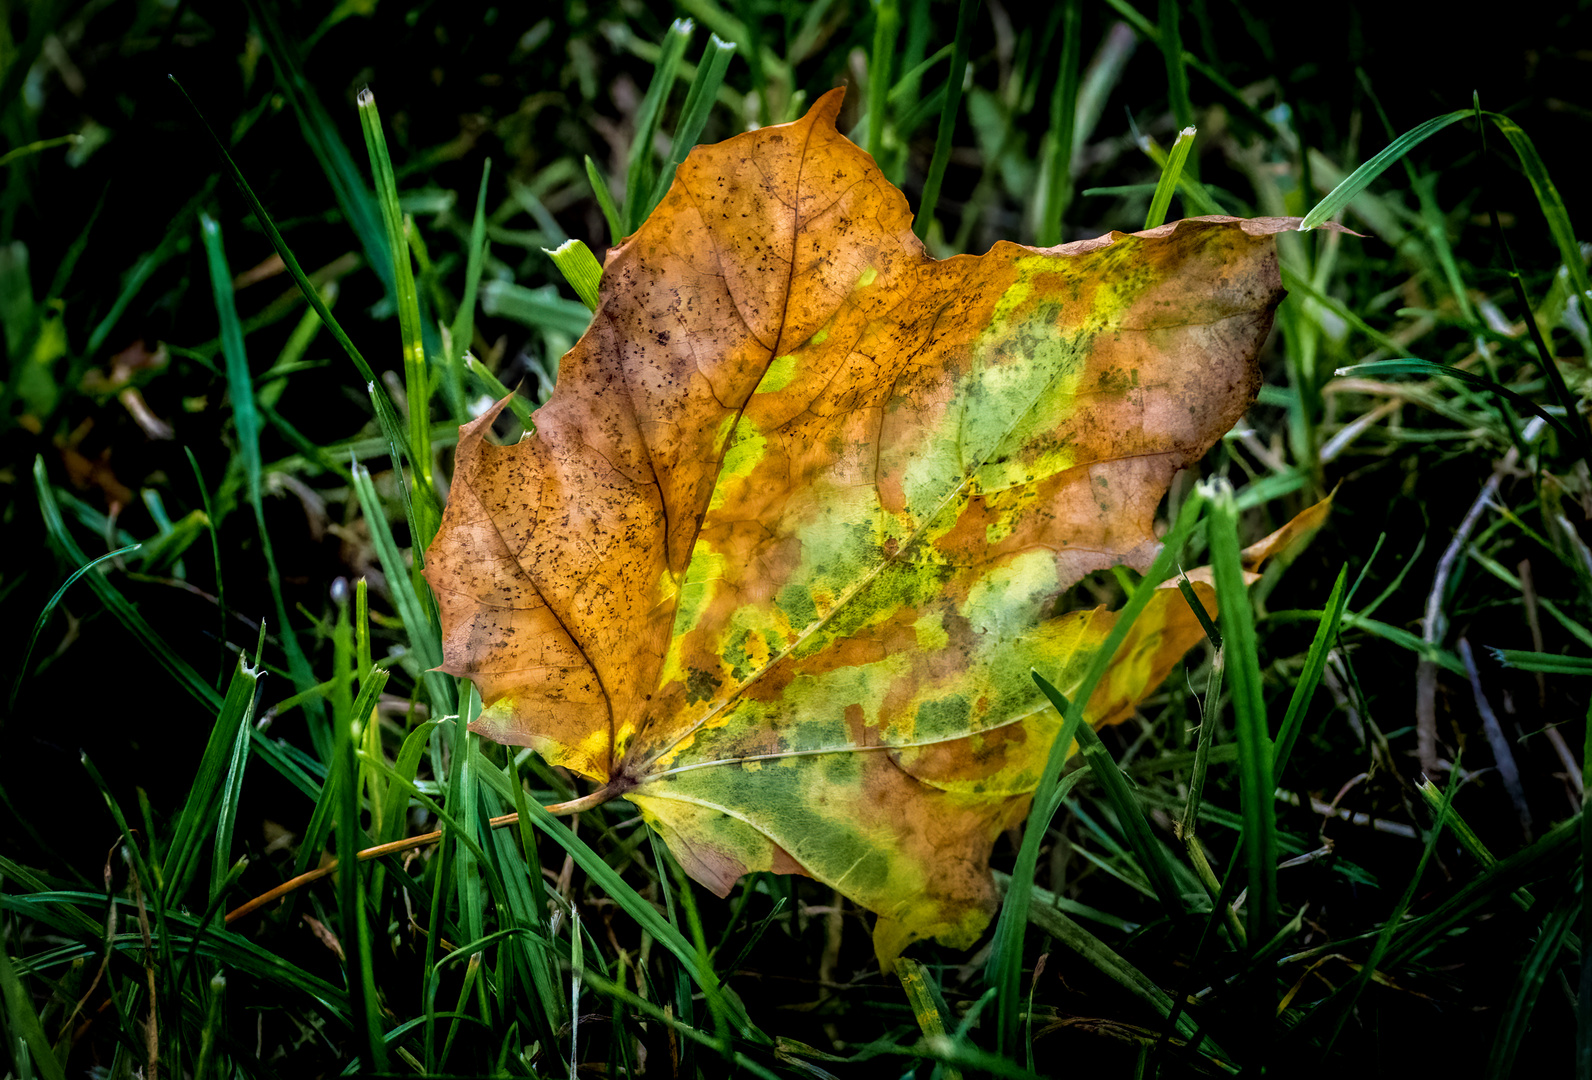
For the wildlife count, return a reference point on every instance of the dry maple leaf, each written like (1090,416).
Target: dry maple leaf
(788,538)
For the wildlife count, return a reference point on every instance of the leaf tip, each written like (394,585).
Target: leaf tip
(827,107)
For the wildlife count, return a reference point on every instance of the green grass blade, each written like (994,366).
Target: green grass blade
(142,270)
(311,458)
(616,888)
(344,674)
(1550,663)
(225,880)
(417,384)
(693,115)
(1467,837)
(353,197)
(605,200)
(1006,951)
(524,883)
(222,870)
(522,907)
(741,1062)
(20,315)
(74,252)
(1147,850)
(328,799)
(49,609)
(580,268)
(713,993)
(362,660)
(231,950)
(1535,969)
(448,821)
(1170,42)
(1564,237)
(1212,634)
(920,112)
(669,886)
(424,637)
(307,287)
(246,419)
(463,330)
(240,383)
(1338,1007)
(1256,790)
(1415,366)
(163,555)
(1194,193)
(22,1023)
(1296,282)
(1342,195)
(148,874)
(1237,100)
(1004,968)
(207,1046)
(112,598)
(395,441)
(907,89)
(1576,629)
(638,181)
(497,391)
(886,24)
(927,1007)
(405,766)
(1310,677)
(1444,658)
(38,147)
(1188,824)
(949,112)
(1161,201)
(1063,125)
(1434,232)
(464,802)
(351,885)
(536,309)
(1046,915)
(199,809)
(1550,853)
(1552,205)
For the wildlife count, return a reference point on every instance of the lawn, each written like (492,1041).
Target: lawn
(1345,833)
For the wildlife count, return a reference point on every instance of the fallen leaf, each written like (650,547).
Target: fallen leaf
(790,532)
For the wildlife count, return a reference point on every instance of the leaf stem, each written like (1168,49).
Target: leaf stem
(502,821)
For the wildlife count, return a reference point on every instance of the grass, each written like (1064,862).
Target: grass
(228,413)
